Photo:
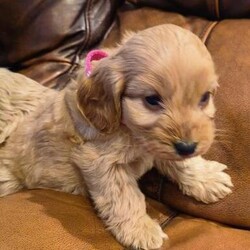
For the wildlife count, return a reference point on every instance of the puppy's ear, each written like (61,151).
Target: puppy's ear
(99,96)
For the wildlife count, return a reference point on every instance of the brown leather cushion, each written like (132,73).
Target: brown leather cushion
(51,220)
(43,219)
(186,233)
(229,43)
(44,39)
(214,9)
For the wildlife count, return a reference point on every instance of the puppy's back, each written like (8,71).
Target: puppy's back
(19,96)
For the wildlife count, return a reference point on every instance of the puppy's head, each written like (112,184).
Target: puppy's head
(160,85)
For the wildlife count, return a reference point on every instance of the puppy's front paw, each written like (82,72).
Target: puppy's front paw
(145,233)
(207,183)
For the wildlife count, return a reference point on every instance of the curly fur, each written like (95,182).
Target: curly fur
(100,135)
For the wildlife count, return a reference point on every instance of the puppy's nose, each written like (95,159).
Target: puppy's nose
(184,147)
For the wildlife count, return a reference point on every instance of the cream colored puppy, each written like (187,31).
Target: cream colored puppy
(150,101)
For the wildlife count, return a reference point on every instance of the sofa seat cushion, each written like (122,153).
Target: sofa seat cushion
(45,219)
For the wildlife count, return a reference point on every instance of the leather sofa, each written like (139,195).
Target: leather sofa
(47,41)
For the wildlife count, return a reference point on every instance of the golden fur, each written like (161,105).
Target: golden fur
(101,134)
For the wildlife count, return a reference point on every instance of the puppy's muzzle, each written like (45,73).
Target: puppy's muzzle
(185,148)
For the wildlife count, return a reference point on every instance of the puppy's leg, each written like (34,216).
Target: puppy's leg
(8,183)
(202,179)
(121,205)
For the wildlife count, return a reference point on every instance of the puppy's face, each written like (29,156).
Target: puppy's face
(163,81)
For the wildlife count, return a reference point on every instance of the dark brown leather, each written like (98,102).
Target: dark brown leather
(44,219)
(44,39)
(214,9)
(229,43)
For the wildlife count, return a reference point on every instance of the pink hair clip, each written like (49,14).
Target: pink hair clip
(93,55)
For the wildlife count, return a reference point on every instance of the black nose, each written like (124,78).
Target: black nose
(185,148)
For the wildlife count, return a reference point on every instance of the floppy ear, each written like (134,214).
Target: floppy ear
(99,96)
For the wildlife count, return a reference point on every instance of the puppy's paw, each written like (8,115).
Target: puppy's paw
(207,183)
(144,234)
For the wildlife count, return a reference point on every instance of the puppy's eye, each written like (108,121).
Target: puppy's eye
(204,99)
(153,100)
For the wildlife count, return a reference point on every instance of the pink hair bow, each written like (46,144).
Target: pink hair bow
(93,55)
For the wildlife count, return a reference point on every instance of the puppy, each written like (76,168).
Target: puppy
(149,102)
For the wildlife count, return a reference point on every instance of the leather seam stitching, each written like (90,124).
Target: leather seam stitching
(217,8)
(75,63)
(202,33)
(159,192)
(89,23)
(166,222)
(207,31)
(210,7)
